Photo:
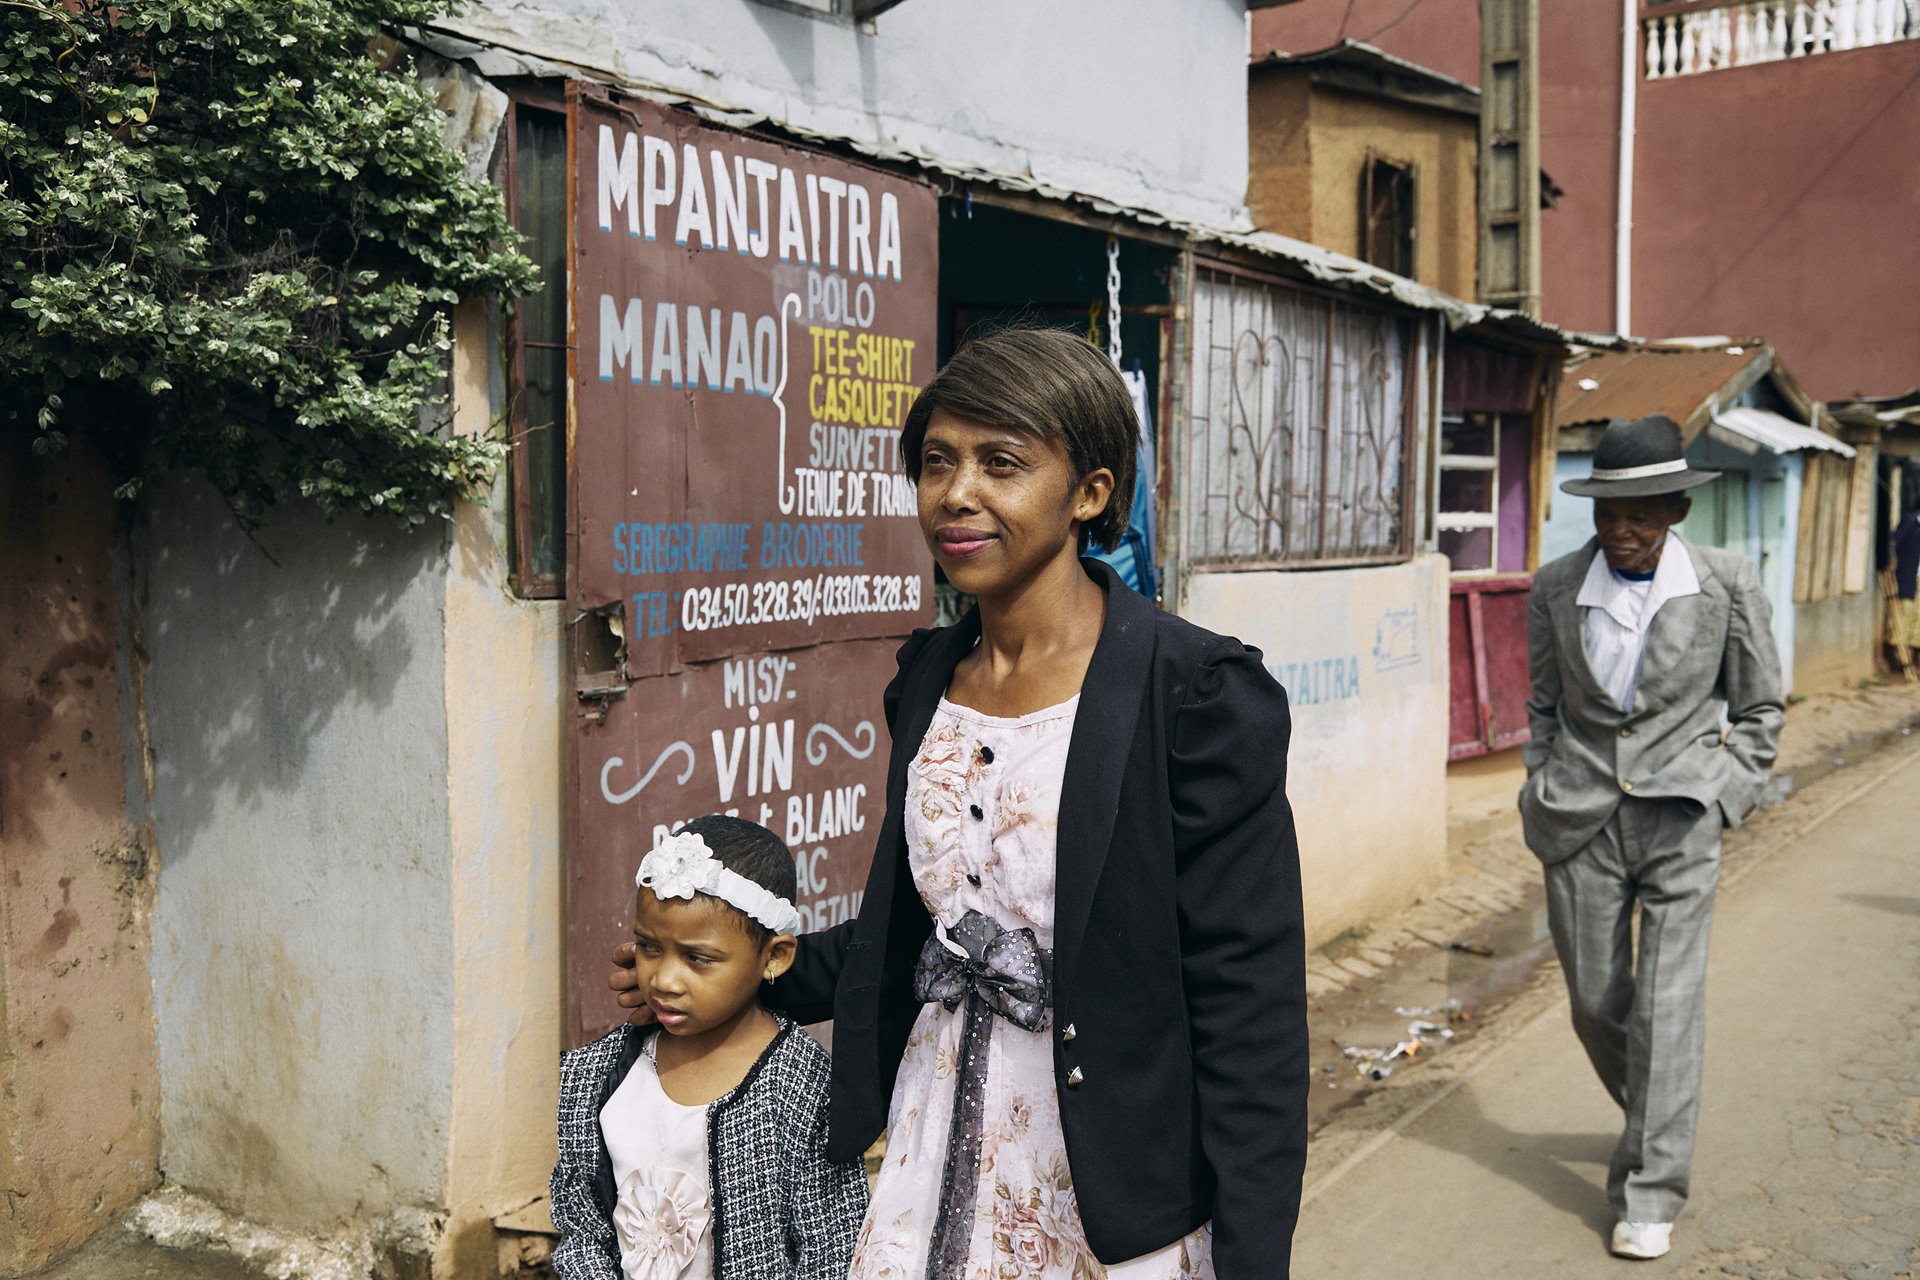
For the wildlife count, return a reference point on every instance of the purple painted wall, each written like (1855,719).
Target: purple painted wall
(1516,491)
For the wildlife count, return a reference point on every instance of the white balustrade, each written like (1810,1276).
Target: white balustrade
(1753,31)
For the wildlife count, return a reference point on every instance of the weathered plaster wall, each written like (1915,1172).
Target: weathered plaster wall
(1834,641)
(1097,97)
(79,1131)
(507,710)
(1346,127)
(303,942)
(1280,154)
(1363,655)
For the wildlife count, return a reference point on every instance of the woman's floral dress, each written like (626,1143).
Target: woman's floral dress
(983,804)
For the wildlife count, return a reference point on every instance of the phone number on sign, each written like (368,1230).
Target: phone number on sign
(746,604)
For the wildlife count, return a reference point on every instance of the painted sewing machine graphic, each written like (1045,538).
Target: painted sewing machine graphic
(1396,639)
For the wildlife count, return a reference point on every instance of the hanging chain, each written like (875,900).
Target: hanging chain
(1113,300)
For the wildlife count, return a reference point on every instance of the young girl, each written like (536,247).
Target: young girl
(1075,992)
(701,1152)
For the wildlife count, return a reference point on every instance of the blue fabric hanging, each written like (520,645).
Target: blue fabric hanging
(1133,558)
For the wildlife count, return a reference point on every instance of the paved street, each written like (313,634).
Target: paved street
(1808,1162)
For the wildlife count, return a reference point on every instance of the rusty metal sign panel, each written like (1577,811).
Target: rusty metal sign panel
(751,323)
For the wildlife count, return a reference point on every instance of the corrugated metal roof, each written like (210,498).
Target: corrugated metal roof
(1872,411)
(1771,431)
(1681,382)
(1358,56)
(490,58)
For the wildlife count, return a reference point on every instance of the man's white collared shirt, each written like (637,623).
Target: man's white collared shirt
(1617,613)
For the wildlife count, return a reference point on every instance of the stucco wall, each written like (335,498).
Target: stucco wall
(79,1134)
(1346,126)
(1308,145)
(1835,641)
(507,710)
(1141,102)
(303,942)
(1280,154)
(1363,655)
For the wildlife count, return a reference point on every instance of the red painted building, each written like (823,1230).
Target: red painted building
(1774,176)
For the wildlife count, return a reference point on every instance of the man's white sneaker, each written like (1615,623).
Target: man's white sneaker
(1642,1239)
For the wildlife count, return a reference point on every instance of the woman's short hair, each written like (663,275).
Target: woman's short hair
(1047,383)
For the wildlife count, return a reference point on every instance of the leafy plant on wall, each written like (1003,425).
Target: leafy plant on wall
(230,233)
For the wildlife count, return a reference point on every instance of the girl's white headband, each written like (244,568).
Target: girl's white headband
(682,865)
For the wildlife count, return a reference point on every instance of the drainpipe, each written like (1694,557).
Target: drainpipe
(1623,217)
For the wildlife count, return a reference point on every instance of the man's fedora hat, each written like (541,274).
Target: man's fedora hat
(1639,459)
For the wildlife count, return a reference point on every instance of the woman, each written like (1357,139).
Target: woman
(1074,994)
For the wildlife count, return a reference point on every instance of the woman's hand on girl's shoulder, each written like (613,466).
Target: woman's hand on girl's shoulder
(625,982)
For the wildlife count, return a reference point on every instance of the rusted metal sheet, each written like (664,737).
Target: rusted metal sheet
(1681,383)
(751,322)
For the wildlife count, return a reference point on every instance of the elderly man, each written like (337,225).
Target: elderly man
(1656,712)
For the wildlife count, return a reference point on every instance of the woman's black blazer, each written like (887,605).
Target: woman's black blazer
(1179,965)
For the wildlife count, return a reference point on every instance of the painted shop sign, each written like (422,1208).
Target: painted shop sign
(751,324)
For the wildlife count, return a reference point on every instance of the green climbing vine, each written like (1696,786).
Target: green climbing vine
(230,235)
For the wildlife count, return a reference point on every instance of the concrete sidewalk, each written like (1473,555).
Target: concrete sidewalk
(1808,1162)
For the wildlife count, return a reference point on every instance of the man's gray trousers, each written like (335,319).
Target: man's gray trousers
(1643,1025)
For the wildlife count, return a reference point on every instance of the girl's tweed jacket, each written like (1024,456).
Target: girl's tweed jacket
(781,1210)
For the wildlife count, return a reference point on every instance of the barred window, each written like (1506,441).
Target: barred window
(1302,414)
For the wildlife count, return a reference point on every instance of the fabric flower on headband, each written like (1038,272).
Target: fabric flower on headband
(677,867)
(682,865)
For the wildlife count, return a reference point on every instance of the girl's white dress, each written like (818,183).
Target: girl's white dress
(663,1200)
(983,806)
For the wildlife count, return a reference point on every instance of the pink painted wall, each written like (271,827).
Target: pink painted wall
(1441,34)
(1784,200)
(1579,149)
(1778,200)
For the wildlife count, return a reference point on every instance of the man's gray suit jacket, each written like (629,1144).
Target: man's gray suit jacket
(1707,709)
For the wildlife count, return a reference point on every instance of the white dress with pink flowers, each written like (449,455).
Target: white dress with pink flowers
(983,805)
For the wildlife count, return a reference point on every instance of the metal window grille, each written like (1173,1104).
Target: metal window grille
(1302,414)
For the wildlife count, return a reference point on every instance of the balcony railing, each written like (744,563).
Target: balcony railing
(1714,37)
